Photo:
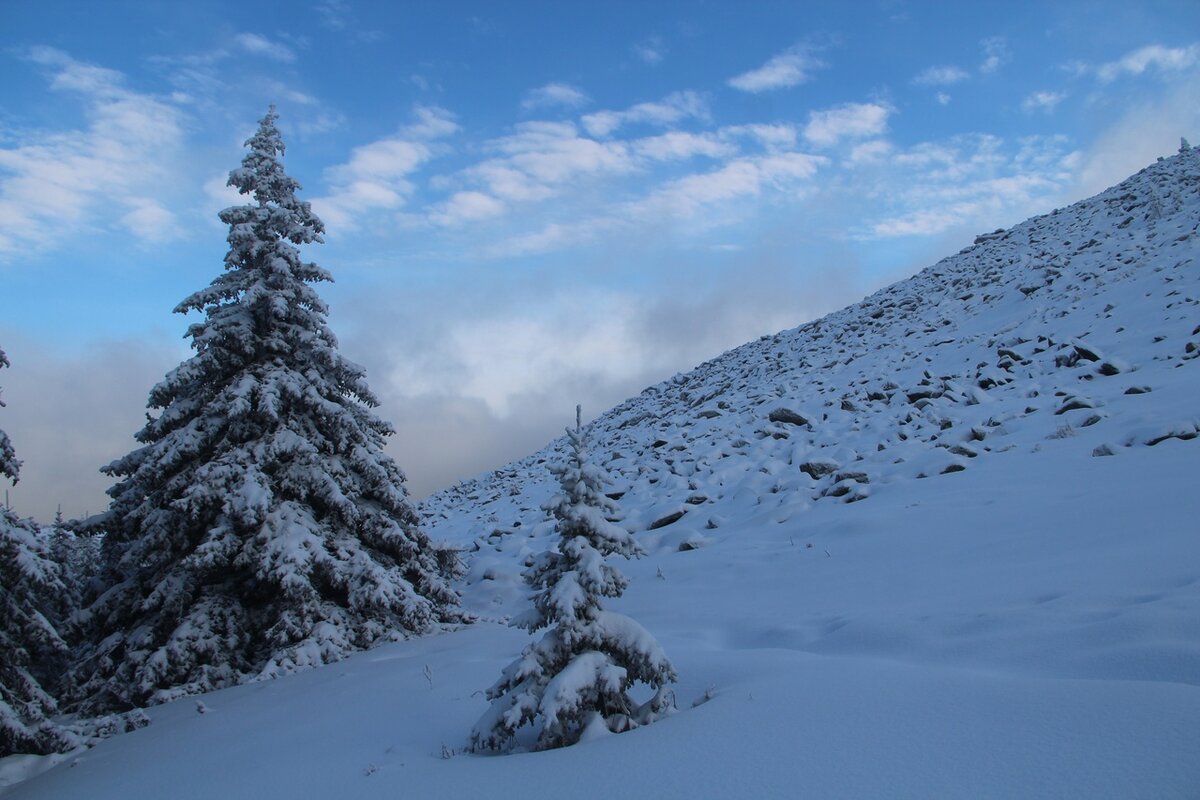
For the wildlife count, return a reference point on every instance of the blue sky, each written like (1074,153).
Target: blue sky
(529,204)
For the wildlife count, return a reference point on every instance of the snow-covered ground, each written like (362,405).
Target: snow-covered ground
(1030,628)
(944,543)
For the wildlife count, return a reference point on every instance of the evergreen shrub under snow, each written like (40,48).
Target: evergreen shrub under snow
(575,680)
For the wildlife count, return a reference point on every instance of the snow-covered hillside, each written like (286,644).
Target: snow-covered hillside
(1080,324)
(943,543)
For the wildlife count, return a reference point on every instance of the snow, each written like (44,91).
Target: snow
(986,639)
(992,608)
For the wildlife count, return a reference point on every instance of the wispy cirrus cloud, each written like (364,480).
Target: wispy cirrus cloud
(542,160)
(336,15)
(789,68)
(258,45)
(1045,101)
(934,187)
(995,54)
(700,198)
(1151,58)
(554,94)
(109,173)
(465,207)
(941,76)
(743,177)
(673,108)
(650,50)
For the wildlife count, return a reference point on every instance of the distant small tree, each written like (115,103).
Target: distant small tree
(32,598)
(78,557)
(10,467)
(578,675)
(259,527)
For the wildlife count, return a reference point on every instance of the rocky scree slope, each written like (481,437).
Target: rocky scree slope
(1081,325)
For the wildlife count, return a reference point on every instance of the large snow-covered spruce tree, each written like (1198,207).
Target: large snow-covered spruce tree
(260,527)
(578,676)
(31,601)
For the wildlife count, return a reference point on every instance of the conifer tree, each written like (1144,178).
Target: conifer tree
(578,675)
(259,528)
(31,650)
(10,467)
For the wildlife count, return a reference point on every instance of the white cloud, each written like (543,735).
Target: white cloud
(385,160)
(257,45)
(773,136)
(536,163)
(498,358)
(54,184)
(942,98)
(671,109)
(220,194)
(377,175)
(941,76)
(432,122)
(853,120)
(744,177)
(920,222)
(374,178)
(553,153)
(149,221)
(540,158)
(702,199)
(554,94)
(995,54)
(1149,128)
(679,145)
(619,342)
(471,385)
(967,181)
(789,68)
(464,207)
(872,152)
(553,236)
(1042,101)
(651,51)
(336,15)
(1155,56)
(323,121)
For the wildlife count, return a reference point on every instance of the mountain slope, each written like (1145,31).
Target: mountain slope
(1024,620)
(1081,323)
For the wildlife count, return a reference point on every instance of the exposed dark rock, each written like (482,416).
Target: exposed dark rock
(787,416)
(663,522)
(818,469)
(1073,403)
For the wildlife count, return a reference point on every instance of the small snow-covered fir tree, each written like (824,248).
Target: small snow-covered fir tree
(10,467)
(31,650)
(578,675)
(260,527)
(78,557)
